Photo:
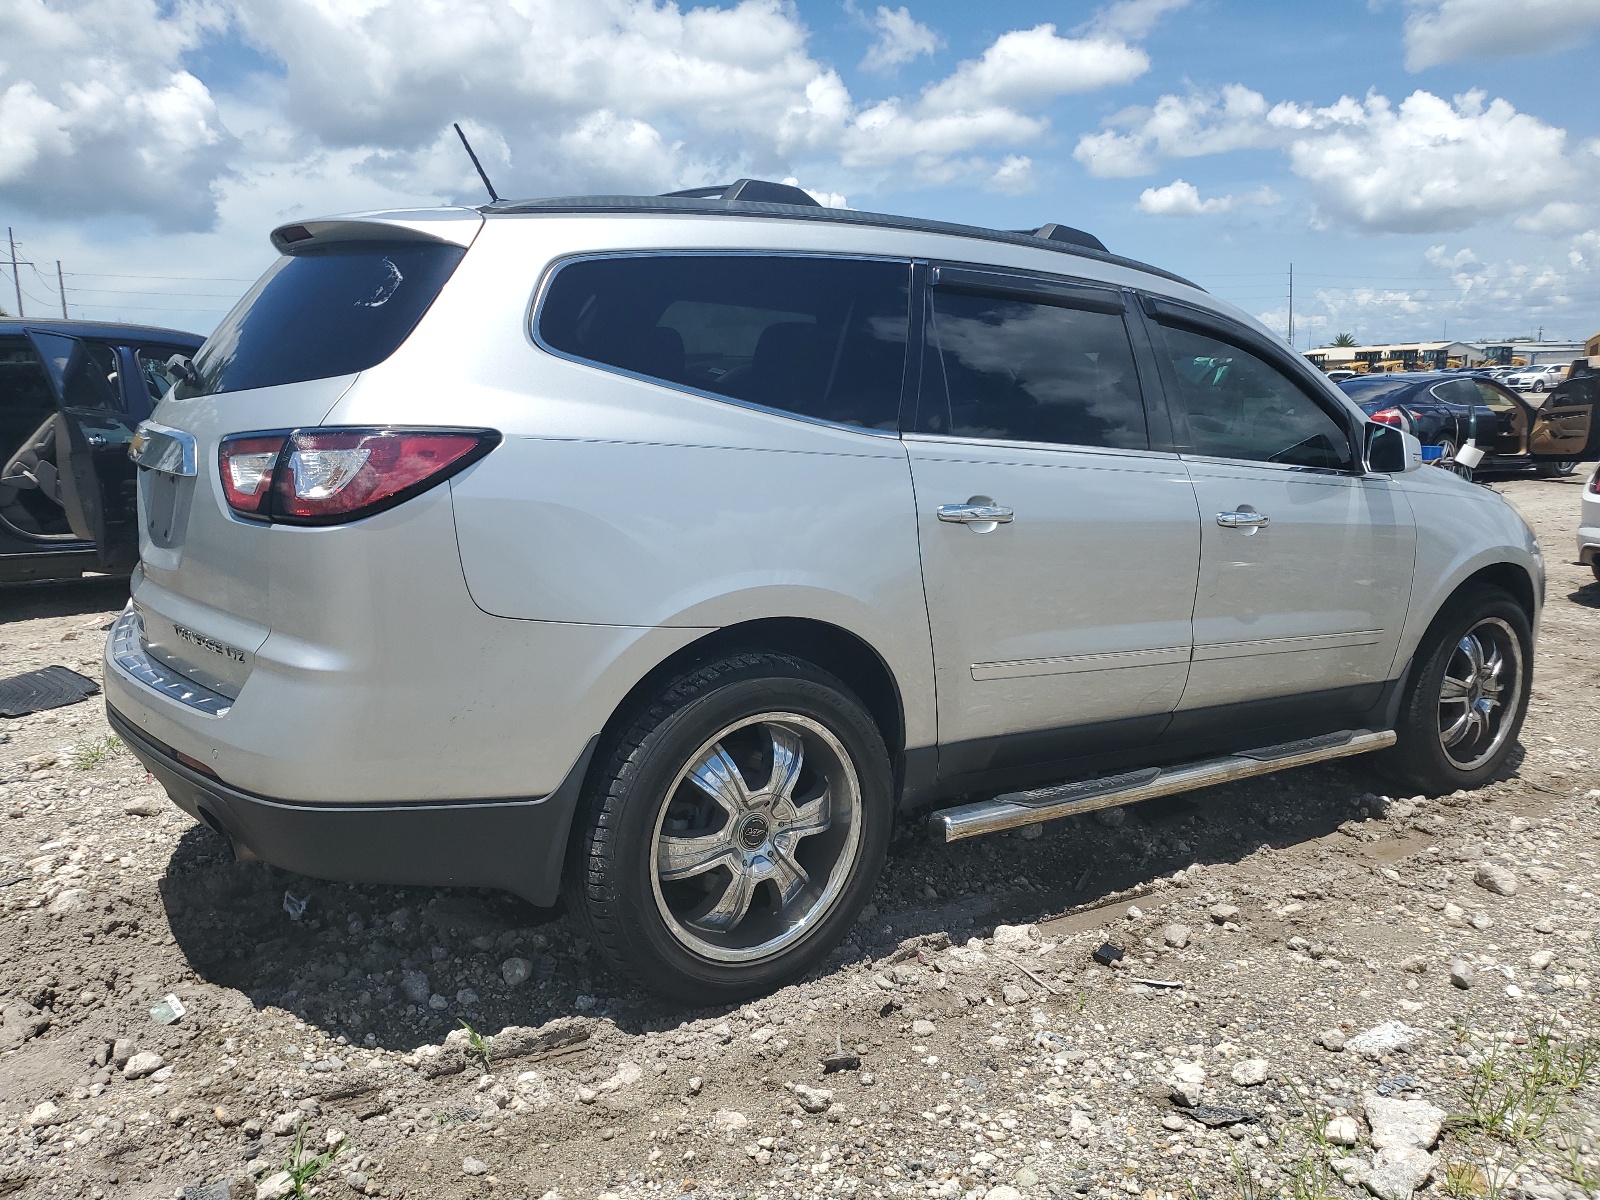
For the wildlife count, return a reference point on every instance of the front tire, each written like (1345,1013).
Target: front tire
(1465,705)
(736,831)
(1555,470)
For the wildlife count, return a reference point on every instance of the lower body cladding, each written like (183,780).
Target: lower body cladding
(513,844)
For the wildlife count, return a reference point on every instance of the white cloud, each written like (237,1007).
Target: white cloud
(1013,176)
(901,39)
(625,95)
(1176,127)
(1180,198)
(1131,20)
(97,113)
(1029,66)
(1474,298)
(1442,31)
(1428,164)
(1557,217)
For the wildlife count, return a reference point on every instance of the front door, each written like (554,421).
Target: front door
(1059,553)
(1566,427)
(96,477)
(1305,562)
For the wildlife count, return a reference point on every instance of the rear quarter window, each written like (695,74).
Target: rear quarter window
(816,337)
(326,311)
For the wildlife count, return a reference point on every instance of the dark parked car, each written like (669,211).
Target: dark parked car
(1447,410)
(66,486)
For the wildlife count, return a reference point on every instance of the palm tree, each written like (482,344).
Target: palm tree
(1345,339)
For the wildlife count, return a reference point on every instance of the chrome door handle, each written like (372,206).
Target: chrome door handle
(975,514)
(1242,520)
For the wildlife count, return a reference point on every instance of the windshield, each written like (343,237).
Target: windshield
(327,311)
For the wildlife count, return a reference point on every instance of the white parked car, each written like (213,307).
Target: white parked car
(1589,526)
(1536,379)
(658,549)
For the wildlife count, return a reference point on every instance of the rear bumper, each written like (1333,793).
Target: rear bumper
(513,844)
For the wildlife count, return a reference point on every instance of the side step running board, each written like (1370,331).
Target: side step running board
(1015,809)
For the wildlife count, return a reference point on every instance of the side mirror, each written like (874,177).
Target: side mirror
(1391,451)
(181,367)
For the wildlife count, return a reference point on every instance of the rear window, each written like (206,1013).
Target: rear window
(817,337)
(1369,388)
(327,311)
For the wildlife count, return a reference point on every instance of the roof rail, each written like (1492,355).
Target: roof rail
(1066,233)
(761,190)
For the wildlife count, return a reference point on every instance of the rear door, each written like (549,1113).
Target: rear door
(1059,551)
(96,476)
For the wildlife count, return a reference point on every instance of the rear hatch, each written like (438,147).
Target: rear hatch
(342,297)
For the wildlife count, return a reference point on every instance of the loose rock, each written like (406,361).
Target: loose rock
(1494,878)
(146,1062)
(813,1100)
(1391,1037)
(1250,1073)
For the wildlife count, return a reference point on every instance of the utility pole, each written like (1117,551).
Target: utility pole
(1291,306)
(15,278)
(61,283)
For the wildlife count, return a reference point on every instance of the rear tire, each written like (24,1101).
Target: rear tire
(1554,470)
(1464,706)
(736,831)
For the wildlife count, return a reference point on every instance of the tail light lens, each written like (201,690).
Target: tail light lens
(330,476)
(247,466)
(1392,416)
(1594,484)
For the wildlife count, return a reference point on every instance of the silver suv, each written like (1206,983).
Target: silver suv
(654,550)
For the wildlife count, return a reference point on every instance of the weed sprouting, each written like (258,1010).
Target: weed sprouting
(86,756)
(303,1167)
(477,1044)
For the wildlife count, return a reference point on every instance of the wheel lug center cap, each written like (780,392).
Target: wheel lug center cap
(753,831)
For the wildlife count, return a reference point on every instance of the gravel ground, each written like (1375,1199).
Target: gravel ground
(1325,992)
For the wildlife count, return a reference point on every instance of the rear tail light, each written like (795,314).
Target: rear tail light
(1392,416)
(1594,484)
(247,466)
(330,476)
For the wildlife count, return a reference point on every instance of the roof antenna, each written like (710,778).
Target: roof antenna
(482,174)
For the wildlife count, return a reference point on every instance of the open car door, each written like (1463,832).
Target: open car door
(99,488)
(1567,428)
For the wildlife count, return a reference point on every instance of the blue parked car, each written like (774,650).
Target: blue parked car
(67,502)
(1447,409)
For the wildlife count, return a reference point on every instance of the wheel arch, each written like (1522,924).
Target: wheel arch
(835,649)
(1509,577)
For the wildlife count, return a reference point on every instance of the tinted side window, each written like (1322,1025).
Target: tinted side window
(1458,391)
(1029,371)
(819,337)
(1237,405)
(1492,396)
(330,311)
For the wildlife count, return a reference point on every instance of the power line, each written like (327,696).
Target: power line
(178,278)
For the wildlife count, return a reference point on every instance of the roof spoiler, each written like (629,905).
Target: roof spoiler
(761,191)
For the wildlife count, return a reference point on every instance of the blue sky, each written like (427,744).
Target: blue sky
(1428,166)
